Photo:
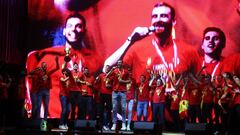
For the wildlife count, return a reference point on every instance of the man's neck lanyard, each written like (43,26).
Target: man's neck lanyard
(176,60)
(214,70)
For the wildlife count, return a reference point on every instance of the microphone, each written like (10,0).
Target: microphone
(151,29)
(137,36)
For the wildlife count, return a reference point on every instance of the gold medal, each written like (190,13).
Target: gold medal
(128,86)
(158,91)
(141,89)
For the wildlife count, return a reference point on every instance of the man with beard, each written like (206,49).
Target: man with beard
(156,49)
(75,50)
(121,79)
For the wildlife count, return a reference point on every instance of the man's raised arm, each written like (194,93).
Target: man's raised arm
(138,34)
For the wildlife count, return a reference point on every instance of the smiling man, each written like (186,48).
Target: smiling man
(154,47)
(75,50)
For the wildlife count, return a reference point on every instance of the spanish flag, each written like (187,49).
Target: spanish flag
(183,107)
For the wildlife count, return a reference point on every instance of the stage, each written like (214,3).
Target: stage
(91,127)
(56,131)
(79,127)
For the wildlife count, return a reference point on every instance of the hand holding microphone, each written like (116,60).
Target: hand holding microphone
(140,33)
(151,29)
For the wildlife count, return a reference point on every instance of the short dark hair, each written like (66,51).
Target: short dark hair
(160,4)
(75,63)
(85,67)
(221,35)
(68,72)
(228,75)
(76,15)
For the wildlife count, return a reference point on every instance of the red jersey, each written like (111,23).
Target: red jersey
(235,96)
(194,94)
(152,88)
(218,91)
(44,80)
(183,93)
(212,69)
(143,55)
(131,89)
(143,92)
(227,90)
(120,74)
(175,100)
(105,83)
(64,87)
(236,99)
(159,95)
(231,64)
(207,94)
(75,86)
(87,87)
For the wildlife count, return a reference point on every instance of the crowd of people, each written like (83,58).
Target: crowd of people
(159,72)
(12,95)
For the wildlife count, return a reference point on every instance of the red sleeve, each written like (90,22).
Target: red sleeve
(231,64)
(189,58)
